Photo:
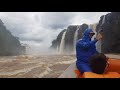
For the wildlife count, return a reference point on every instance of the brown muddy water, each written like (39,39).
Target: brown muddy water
(37,66)
(34,66)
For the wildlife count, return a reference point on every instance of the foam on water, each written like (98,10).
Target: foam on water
(65,62)
(36,66)
(47,71)
(24,70)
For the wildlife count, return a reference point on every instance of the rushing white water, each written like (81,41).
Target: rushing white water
(89,26)
(99,43)
(47,71)
(34,66)
(75,37)
(57,49)
(103,21)
(62,44)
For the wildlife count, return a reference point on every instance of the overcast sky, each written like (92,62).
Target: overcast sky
(38,29)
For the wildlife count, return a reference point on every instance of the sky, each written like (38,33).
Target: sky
(38,29)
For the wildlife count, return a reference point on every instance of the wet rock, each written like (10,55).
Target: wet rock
(69,37)
(111,32)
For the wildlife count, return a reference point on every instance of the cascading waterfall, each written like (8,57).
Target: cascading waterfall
(62,44)
(75,38)
(103,21)
(57,49)
(99,43)
(89,26)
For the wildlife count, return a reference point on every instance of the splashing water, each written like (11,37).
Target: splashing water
(57,49)
(89,26)
(62,44)
(75,38)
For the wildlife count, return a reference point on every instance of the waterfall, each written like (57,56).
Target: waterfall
(75,38)
(57,49)
(99,43)
(103,21)
(89,26)
(62,44)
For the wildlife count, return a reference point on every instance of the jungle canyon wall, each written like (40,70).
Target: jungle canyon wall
(9,44)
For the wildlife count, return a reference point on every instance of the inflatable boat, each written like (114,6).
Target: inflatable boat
(113,71)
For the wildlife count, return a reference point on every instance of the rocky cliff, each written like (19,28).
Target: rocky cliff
(9,45)
(111,32)
(69,37)
(56,42)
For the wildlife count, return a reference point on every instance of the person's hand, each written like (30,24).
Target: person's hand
(99,36)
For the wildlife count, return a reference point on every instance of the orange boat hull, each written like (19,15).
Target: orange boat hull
(114,65)
(112,72)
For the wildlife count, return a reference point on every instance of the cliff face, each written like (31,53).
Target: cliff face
(9,45)
(83,27)
(111,32)
(70,34)
(69,37)
(56,42)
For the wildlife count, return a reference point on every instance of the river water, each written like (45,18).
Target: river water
(37,66)
(34,66)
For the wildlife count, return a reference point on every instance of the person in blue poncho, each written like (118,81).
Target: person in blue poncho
(85,48)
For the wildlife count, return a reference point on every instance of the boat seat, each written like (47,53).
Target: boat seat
(94,75)
(112,72)
(106,75)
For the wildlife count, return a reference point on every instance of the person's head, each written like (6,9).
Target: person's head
(98,63)
(91,34)
(88,33)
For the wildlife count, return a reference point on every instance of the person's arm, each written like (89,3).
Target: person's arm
(98,37)
(86,45)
